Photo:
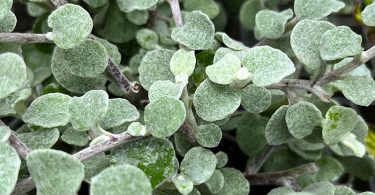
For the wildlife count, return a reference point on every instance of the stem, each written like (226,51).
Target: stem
(176,12)
(279,177)
(121,79)
(23,38)
(190,125)
(259,160)
(58,3)
(356,62)
(87,153)
(17,144)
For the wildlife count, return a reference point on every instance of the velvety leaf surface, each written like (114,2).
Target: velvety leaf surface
(154,156)
(255,99)
(15,103)
(147,38)
(8,23)
(277,130)
(235,183)
(223,71)
(368,15)
(71,25)
(49,167)
(216,182)
(271,24)
(10,166)
(330,169)
(40,139)
(74,137)
(119,112)
(209,7)
(130,5)
(316,9)
(209,135)
(183,61)
(51,110)
(5,6)
(267,65)
(248,11)
(4,133)
(183,184)
(95,165)
(229,42)
(122,179)
(165,89)
(222,159)
(197,33)
(13,74)
(320,188)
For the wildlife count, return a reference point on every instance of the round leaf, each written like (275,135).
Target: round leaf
(130,5)
(224,70)
(209,135)
(214,102)
(40,139)
(339,121)
(216,182)
(4,133)
(268,65)
(302,118)
(74,137)
(8,23)
(154,156)
(198,164)
(49,167)
(13,74)
(87,60)
(229,42)
(248,11)
(138,17)
(88,110)
(277,130)
(51,110)
(235,183)
(164,116)
(339,43)
(122,179)
(197,33)
(368,15)
(10,166)
(329,169)
(320,188)
(344,190)
(119,112)
(5,6)
(147,39)
(71,25)
(183,61)
(183,184)
(71,82)
(316,9)
(209,7)
(154,67)
(305,41)
(271,24)
(255,99)
(165,89)
(222,159)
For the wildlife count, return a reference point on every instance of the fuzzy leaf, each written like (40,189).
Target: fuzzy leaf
(250,134)
(229,42)
(74,137)
(320,188)
(197,33)
(10,166)
(277,130)
(95,3)
(338,122)
(208,7)
(138,17)
(95,165)
(5,6)
(119,112)
(112,50)
(198,165)
(49,167)
(165,89)
(13,74)
(87,60)
(302,118)
(255,99)
(222,159)
(71,82)
(209,135)
(122,179)
(154,67)
(154,156)
(330,169)
(235,183)
(137,129)
(40,139)
(15,103)
(147,39)
(71,25)
(164,116)
(216,182)
(268,65)
(88,110)
(353,146)
(8,23)
(305,41)
(358,85)
(223,71)
(339,43)
(248,11)
(316,9)
(344,190)
(280,191)
(130,5)
(183,61)
(368,15)
(4,133)
(183,184)
(51,110)
(271,24)
(214,102)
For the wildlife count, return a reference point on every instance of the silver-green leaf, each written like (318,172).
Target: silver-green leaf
(130,5)
(223,71)
(277,130)
(316,9)
(119,112)
(368,15)
(13,74)
(209,135)
(10,166)
(271,24)
(255,99)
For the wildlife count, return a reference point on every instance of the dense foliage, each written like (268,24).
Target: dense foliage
(137,96)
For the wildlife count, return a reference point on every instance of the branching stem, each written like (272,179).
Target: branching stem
(23,38)
(17,144)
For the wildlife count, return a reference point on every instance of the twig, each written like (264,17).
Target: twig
(17,144)
(176,12)
(58,3)
(153,16)
(356,62)
(23,38)
(121,80)
(87,153)
(258,161)
(280,176)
